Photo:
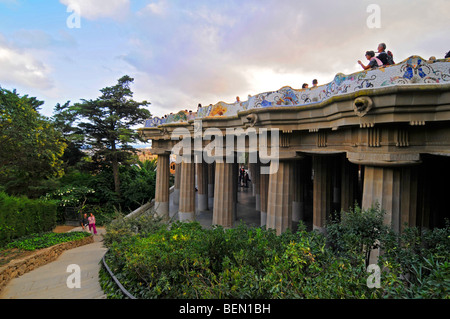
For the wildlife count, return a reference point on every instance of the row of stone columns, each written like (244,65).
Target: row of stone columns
(280,196)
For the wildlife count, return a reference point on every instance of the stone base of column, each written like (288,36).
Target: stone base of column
(186,217)
(321,230)
(210,190)
(224,206)
(202,202)
(258,202)
(279,201)
(176,196)
(162,209)
(263,218)
(297,211)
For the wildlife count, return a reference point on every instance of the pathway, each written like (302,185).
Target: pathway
(50,281)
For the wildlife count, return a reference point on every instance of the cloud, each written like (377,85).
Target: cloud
(182,53)
(157,8)
(214,50)
(22,68)
(95,9)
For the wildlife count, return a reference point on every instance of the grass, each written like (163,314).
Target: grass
(44,240)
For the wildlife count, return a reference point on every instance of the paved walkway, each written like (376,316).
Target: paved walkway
(50,281)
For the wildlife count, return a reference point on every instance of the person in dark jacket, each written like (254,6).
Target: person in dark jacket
(84,222)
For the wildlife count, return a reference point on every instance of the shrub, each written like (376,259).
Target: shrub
(187,261)
(416,263)
(20,216)
(39,241)
(183,260)
(357,233)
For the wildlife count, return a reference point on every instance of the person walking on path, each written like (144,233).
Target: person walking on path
(92,223)
(84,222)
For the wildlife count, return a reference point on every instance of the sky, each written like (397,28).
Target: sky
(185,52)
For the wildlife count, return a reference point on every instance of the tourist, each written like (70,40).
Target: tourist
(246,179)
(84,222)
(374,61)
(382,55)
(314,82)
(92,224)
(241,176)
(305,86)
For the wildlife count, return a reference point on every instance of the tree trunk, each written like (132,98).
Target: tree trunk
(115,167)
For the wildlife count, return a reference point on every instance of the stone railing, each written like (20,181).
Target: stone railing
(412,71)
(39,258)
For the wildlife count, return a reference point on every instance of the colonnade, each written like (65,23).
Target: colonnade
(309,188)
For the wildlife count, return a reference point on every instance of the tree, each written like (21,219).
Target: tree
(64,118)
(31,147)
(107,124)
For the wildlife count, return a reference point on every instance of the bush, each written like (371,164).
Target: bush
(357,232)
(416,263)
(187,261)
(20,216)
(39,241)
(183,260)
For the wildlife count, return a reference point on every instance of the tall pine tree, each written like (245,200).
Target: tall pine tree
(107,124)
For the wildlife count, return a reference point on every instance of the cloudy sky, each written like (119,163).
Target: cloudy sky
(185,52)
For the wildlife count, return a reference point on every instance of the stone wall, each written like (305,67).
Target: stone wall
(41,257)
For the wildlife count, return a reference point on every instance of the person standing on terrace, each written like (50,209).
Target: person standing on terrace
(374,62)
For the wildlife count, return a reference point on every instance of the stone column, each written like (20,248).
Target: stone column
(298,189)
(223,195)
(211,169)
(409,200)
(349,184)
(257,186)
(264,188)
(202,185)
(162,186)
(322,191)
(279,200)
(235,188)
(176,188)
(395,189)
(186,210)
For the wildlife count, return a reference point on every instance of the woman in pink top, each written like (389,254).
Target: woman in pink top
(374,61)
(91,220)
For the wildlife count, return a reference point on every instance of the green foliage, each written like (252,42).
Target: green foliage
(417,263)
(138,184)
(44,240)
(183,260)
(20,216)
(187,261)
(107,124)
(357,232)
(31,147)
(72,196)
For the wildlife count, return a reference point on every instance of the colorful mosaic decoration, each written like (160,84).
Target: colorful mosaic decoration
(412,71)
